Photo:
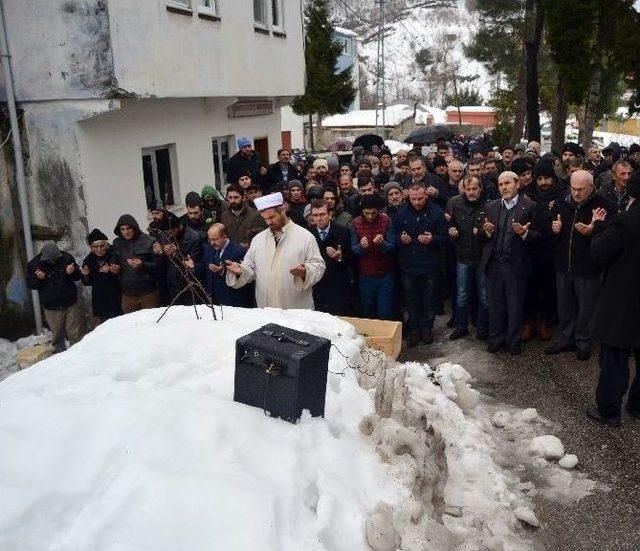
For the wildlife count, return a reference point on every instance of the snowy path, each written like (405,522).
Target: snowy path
(560,389)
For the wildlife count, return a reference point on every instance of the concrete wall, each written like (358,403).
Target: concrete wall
(60,49)
(295,124)
(75,49)
(111,144)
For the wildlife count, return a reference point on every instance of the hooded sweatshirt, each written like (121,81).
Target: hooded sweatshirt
(141,280)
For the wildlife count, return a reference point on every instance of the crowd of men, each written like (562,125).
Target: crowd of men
(519,241)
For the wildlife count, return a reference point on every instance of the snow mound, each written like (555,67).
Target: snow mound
(547,446)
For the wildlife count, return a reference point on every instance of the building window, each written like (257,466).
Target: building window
(157,169)
(277,15)
(181,4)
(260,12)
(220,147)
(209,6)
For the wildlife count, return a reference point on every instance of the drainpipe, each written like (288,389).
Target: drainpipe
(17,150)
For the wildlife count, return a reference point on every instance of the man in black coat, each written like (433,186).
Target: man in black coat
(282,171)
(53,274)
(331,293)
(97,273)
(617,317)
(578,278)
(182,248)
(509,233)
(246,160)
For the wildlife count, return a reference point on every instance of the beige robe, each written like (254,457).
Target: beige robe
(269,264)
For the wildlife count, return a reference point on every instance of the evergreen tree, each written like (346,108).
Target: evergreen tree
(327,91)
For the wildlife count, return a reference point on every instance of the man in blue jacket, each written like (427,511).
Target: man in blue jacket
(218,249)
(421,230)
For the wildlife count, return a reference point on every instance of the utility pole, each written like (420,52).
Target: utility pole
(381,100)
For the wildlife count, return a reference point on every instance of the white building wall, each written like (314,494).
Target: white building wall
(111,151)
(295,124)
(165,54)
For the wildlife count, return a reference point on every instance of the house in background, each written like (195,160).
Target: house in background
(122,102)
(295,126)
(479,117)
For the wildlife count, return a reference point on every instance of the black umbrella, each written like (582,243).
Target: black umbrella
(430,134)
(368,141)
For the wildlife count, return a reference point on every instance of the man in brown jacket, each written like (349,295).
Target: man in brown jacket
(242,221)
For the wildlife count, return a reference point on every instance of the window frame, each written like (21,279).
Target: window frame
(213,9)
(279,4)
(180,4)
(266,4)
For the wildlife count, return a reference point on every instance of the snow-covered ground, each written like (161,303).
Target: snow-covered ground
(131,440)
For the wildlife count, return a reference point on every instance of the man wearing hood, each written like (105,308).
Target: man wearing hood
(212,203)
(181,248)
(98,272)
(242,222)
(578,278)
(540,310)
(53,274)
(136,266)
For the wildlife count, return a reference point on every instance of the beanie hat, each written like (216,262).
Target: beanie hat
(573,148)
(388,187)
(243,141)
(156,205)
(520,166)
(293,184)
(321,162)
(96,235)
(208,191)
(439,161)
(634,148)
(545,169)
(49,252)
(192,199)
(633,185)
(333,162)
(505,147)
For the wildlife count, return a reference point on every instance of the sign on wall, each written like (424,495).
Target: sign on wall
(250,109)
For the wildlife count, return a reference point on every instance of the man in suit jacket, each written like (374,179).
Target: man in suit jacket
(217,250)
(331,293)
(617,317)
(509,232)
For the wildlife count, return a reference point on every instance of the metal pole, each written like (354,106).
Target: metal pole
(17,151)
(384,98)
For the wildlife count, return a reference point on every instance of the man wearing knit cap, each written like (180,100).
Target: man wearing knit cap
(284,260)
(297,202)
(98,273)
(392,193)
(53,273)
(523,169)
(246,160)
(617,318)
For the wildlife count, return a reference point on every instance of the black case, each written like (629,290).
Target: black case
(282,371)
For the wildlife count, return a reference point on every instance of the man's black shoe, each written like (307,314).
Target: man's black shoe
(558,348)
(413,339)
(458,333)
(427,337)
(635,413)
(515,349)
(594,414)
(493,347)
(583,355)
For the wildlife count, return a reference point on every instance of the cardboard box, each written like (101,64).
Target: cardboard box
(33,354)
(382,335)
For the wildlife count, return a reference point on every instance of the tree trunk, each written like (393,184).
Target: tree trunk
(521,101)
(534,21)
(311,132)
(559,117)
(591,107)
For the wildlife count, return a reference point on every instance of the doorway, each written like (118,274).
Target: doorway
(261,145)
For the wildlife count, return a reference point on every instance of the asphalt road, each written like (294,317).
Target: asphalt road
(560,388)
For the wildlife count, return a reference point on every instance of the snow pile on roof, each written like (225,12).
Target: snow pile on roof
(394,115)
(471,109)
(131,439)
(345,32)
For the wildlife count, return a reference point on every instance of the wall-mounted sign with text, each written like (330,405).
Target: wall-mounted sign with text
(250,109)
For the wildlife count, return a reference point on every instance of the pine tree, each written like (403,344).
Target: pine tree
(327,91)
